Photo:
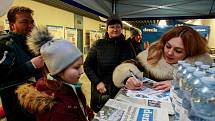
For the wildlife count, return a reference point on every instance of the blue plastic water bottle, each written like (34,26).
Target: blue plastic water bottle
(192,82)
(204,67)
(203,100)
(185,103)
(177,93)
(198,65)
(212,65)
(211,72)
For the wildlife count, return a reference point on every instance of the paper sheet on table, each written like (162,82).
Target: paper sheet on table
(149,94)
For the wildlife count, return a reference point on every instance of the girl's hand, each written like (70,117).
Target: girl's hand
(37,62)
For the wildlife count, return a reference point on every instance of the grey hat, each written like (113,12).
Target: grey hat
(57,53)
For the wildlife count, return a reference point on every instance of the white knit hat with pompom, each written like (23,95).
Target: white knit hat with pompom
(57,53)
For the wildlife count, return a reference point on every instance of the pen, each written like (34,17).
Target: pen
(147,83)
(132,74)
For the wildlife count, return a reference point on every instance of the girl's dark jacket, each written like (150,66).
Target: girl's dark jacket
(104,55)
(51,103)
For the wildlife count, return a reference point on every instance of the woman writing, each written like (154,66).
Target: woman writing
(180,43)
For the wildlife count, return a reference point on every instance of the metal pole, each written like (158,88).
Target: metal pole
(113,6)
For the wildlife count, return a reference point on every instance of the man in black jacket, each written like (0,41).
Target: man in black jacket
(17,64)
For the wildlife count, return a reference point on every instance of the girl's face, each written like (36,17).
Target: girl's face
(114,30)
(174,50)
(73,72)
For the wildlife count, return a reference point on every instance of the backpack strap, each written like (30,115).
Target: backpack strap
(4,48)
(4,35)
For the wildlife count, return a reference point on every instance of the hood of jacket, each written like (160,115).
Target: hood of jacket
(33,100)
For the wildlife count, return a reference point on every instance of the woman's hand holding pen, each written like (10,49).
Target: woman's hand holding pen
(133,83)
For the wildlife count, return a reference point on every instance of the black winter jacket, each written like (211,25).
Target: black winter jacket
(15,69)
(103,57)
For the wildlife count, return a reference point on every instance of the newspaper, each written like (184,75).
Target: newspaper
(148,98)
(121,111)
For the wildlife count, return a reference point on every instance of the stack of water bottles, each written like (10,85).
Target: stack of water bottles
(193,92)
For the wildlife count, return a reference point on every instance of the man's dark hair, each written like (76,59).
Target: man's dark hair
(114,19)
(11,15)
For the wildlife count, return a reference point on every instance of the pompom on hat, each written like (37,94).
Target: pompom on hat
(57,53)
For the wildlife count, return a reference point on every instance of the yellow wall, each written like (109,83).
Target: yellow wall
(47,15)
(211,23)
(127,33)
(90,24)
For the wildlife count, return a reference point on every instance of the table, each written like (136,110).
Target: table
(106,111)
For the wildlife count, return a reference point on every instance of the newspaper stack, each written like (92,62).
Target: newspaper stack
(121,111)
(149,98)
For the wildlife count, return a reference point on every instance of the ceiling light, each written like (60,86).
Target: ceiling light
(162,23)
(102,18)
(126,23)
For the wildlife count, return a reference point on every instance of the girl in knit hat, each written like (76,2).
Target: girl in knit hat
(58,94)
